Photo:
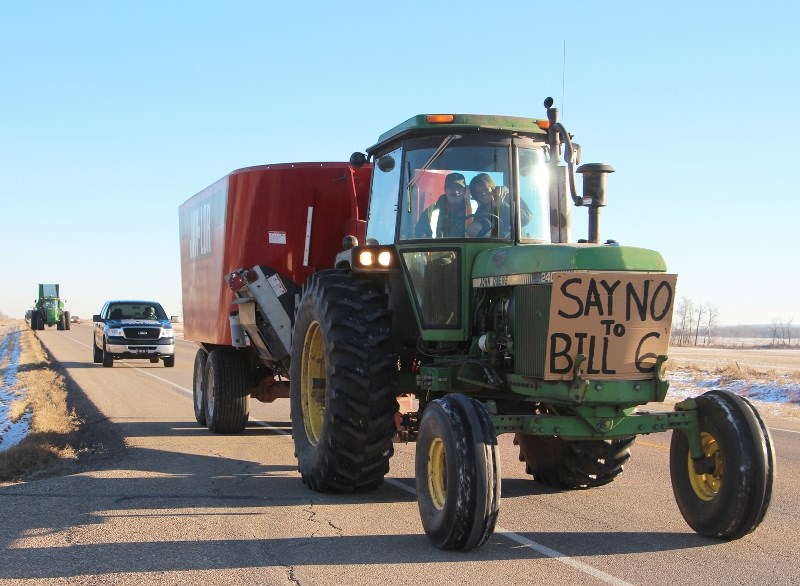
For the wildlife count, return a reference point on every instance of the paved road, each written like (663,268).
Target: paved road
(170,503)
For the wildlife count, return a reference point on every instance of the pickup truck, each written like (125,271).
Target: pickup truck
(137,329)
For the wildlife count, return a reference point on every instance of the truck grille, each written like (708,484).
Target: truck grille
(142,333)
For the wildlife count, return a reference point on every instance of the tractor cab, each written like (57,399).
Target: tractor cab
(447,187)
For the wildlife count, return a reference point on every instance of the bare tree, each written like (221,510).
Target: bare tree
(711,322)
(701,310)
(682,330)
(774,328)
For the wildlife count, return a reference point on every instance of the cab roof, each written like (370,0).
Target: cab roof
(430,124)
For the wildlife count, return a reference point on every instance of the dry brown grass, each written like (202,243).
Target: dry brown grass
(48,444)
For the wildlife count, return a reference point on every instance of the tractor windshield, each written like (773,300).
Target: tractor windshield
(462,188)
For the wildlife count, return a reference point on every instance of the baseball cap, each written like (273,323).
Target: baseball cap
(455,179)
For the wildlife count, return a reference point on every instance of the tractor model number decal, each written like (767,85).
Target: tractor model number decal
(619,321)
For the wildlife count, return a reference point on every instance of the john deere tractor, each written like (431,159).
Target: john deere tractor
(459,286)
(48,309)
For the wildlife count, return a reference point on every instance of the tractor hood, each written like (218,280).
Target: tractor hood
(547,258)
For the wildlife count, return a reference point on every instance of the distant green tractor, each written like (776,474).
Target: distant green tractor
(48,309)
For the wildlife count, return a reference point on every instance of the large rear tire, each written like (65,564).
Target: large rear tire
(729,498)
(343,379)
(67,323)
(199,386)
(457,473)
(573,464)
(227,405)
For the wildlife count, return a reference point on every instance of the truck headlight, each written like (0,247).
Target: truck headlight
(116,332)
(167,333)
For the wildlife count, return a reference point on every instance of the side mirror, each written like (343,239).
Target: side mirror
(386,163)
(96,317)
(174,319)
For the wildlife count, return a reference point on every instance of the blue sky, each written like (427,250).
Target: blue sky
(113,114)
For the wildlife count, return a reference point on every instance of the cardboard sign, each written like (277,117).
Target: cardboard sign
(619,321)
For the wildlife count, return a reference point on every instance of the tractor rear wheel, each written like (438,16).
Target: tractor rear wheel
(34,320)
(199,386)
(343,379)
(227,405)
(730,494)
(457,473)
(60,323)
(573,464)
(67,323)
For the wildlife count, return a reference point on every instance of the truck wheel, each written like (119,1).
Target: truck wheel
(67,323)
(343,379)
(730,497)
(457,473)
(574,464)
(97,353)
(108,359)
(227,404)
(198,386)
(169,361)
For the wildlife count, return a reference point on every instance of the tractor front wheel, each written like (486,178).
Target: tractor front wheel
(342,383)
(457,473)
(727,494)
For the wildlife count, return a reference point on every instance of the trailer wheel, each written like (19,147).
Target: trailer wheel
(169,361)
(729,498)
(227,404)
(343,377)
(108,359)
(573,464)
(199,386)
(97,353)
(67,323)
(457,473)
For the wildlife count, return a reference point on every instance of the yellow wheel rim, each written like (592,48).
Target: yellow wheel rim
(312,383)
(437,473)
(706,486)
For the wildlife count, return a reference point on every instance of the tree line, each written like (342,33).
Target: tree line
(697,324)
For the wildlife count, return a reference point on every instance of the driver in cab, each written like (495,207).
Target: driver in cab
(446,218)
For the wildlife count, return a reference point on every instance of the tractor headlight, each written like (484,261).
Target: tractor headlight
(374,258)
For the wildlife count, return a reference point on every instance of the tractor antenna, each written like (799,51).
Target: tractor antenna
(563,74)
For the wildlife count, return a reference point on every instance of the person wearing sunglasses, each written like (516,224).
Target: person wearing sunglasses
(446,218)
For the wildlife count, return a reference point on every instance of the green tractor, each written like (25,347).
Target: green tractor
(459,292)
(48,310)
(469,295)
